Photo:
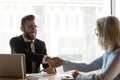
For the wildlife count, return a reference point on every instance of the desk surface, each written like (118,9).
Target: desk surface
(53,77)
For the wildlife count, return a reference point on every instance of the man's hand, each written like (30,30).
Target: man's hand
(75,74)
(54,62)
(50,61)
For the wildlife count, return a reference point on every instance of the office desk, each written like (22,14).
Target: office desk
(32,78)
(55,77)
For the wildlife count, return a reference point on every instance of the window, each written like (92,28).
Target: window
(116,8)
(67,27)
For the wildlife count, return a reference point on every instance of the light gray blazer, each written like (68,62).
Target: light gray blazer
(109,63)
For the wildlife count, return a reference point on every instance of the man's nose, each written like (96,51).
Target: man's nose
(33,30)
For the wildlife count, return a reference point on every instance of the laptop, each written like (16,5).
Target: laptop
(12,66)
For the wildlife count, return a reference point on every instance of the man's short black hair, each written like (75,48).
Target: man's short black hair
(25,18)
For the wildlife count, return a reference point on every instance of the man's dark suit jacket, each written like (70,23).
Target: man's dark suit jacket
(18,45)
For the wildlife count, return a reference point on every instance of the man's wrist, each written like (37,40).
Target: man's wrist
(44,59)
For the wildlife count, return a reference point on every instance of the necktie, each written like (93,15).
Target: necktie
(28,44)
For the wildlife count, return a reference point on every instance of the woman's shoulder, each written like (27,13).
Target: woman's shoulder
(117,51)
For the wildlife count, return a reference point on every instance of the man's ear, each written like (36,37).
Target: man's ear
(22,29)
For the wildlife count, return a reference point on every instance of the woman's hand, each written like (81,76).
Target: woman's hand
(75,74)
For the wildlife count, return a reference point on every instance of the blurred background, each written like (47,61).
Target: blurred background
(66,26)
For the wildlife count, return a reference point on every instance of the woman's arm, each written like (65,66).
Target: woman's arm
(83,67)
(109,73)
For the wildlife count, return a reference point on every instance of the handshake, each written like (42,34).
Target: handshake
(54,62)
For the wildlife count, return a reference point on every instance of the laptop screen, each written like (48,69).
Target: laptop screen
(12,66)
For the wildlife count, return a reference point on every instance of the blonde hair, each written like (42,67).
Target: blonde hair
(109,31)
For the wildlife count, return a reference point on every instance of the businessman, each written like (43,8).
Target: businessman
(33,48)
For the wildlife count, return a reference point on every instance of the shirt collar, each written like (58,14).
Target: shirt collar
(26,40)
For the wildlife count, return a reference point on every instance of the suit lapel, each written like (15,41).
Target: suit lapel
(23,41)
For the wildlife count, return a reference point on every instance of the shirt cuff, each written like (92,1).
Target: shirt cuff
(78,77)
(44,59)
(84,76)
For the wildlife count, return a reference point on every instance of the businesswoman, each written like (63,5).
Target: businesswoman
(108,32)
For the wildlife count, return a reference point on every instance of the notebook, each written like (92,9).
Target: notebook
(12,66)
